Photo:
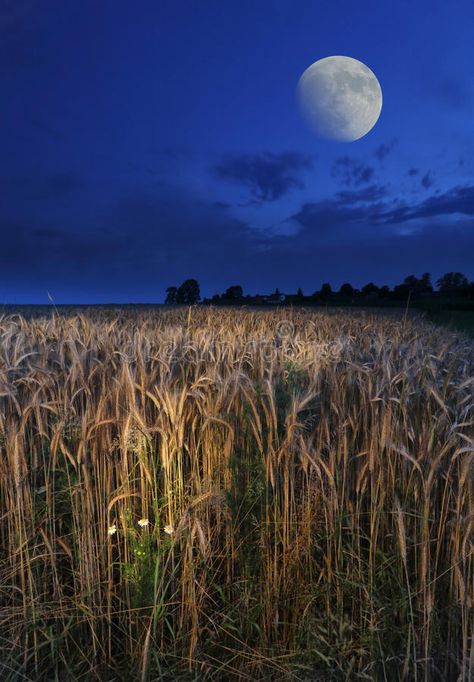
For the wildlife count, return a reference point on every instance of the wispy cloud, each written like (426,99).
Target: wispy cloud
(370,206)
(55,186)
(352,172)
(427,180)
(367,194)
(268,176)
(383,150)
(458,200)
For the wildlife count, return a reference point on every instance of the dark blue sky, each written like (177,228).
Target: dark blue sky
(142,143)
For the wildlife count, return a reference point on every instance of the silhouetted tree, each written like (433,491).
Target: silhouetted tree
(412,283)
(234,292)
(300,294)
(426,286)
(347,290)
(216,298)
(411,286)
(401,291)
(171,296)
(326,290)
(384,291)
(188,292)
(370,289)
(452,282)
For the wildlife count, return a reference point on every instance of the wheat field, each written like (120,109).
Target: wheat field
(201,494)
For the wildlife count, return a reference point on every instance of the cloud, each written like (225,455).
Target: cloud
(351,172)
(427,180)
(325,217)
(354,241)
(140,239)
(268,176)
(145,243)
(55,186)
(383,150)
(367,194)
(349,253)
(367,209)
(458,200)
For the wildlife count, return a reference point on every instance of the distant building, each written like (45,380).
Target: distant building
(275,298)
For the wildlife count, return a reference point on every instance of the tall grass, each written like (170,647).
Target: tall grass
(316,471)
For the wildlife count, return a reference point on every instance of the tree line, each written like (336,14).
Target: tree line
(452,283)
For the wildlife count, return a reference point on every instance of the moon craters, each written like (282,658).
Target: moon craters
(340,98)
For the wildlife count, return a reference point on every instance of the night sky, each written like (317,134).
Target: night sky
(146,142)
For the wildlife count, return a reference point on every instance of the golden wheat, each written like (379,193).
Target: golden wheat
(313,470)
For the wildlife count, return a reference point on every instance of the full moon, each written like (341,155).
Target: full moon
(340,98)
